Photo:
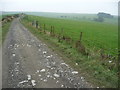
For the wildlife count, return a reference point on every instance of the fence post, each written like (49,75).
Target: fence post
(40,28)
(36,24)
(59,40)
(44,28)
(53,30)
(80,36)
(32,23)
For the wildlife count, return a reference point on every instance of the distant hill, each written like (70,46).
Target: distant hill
(75,16)
(70,16)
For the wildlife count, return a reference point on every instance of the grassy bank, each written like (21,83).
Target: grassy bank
(3,31)
(94,69)
(4,28)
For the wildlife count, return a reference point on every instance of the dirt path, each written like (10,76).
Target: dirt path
(28,62)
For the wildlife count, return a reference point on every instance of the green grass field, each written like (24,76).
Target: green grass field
(96,36)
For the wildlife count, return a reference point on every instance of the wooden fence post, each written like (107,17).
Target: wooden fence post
(44,28)
(36,24)
(60,35)
(53,30)
(40,28)
(80,36)
(32,23)
(61,31)
(59,39)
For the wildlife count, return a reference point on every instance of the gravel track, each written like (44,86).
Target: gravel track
(29,63)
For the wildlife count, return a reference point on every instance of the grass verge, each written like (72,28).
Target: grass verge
(93,68)
(3,31)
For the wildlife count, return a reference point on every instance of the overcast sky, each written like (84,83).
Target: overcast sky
(65,6)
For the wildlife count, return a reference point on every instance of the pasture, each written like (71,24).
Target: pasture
(95,34)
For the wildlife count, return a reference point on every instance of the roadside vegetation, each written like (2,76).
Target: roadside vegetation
(91,47)
(4,28)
